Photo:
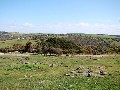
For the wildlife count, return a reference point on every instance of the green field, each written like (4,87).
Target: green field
(10,43)
(39,72)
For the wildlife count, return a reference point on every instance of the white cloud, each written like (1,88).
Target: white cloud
(63,28)
(28,24)
(84,24)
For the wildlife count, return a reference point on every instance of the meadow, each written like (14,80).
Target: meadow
(38,72)
(10,43)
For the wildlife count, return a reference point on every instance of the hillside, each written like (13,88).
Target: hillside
(73,43)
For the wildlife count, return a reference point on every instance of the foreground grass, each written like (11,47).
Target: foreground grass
(58,73)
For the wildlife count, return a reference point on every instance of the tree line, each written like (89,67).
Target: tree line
(67,44)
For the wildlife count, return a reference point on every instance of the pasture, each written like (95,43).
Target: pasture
(37,72)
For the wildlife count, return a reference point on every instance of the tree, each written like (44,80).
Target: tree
(18,47)
(56,51)
(28,47)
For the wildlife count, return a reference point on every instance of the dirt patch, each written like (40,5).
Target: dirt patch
(105,55)
(8,54)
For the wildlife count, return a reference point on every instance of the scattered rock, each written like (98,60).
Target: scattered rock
(80,67)
(67,54)
(109,74)
(79,72)
(102,72)
(77,68)
(23,62)
(26,63)
(66,74)
(88,74)
(50,65)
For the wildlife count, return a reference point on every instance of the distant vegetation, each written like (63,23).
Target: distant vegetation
(57,44)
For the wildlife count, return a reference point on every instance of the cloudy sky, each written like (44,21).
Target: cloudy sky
(60,16)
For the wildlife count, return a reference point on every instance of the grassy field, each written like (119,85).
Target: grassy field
(10,43)
(39,72)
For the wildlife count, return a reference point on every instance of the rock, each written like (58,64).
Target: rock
(79,72)
(88,74)
(77,68)
(102,72)
(23,62)
(105,73)
(89,71)
(80,67)
(26,62)
(67,54)
(50,65)
(110,74)
(66,74)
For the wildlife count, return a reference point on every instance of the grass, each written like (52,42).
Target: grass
(58,73)
(10,43)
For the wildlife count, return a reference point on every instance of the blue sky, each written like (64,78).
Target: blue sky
(60,16)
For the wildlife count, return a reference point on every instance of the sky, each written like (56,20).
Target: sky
(60,16)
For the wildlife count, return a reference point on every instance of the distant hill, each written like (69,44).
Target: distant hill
(3,32)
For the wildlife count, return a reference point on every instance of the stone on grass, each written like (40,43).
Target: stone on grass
(66,74)
(102,72)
